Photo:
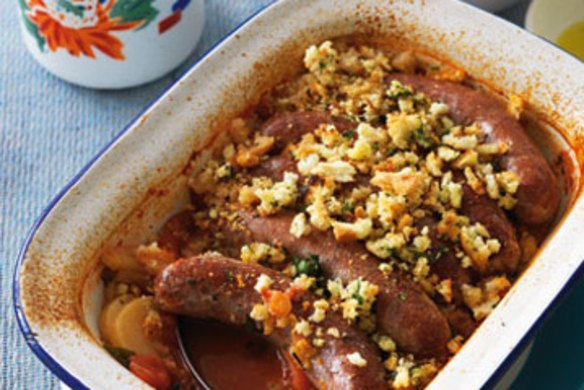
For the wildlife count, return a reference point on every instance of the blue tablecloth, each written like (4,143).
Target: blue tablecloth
(50,129)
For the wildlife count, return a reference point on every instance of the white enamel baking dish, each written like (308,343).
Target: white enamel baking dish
(136,181)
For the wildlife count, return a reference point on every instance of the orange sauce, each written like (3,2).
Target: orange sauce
(226,357)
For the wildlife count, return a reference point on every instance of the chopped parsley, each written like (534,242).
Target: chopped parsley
(348,134)
(357,294)
(437,254)
(347,207)
(432,255)
(391,252)
(226,172)
(301,207)
(309,266)
(398,91)
(416,253)
(122,355)
(391,150)
(421,138)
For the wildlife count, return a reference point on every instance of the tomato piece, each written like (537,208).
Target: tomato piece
(295,377)
(266,294)
(280,305)
(151,370)
(294,292)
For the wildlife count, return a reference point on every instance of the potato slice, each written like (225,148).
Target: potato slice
(109,314)
(127,329)
(121,259)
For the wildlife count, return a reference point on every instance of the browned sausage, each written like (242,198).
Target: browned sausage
(443,259)
(404,312)
(290,127)
(222,289)
(538,193)
(480,208)
(275,166)
(447,266)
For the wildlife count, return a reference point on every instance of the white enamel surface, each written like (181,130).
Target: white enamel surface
(158,146)
(549,18)
(149,54)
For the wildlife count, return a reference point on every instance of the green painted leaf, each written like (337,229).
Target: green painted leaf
(76,10)
(22,4)
(30,26)
(134,10)
(34,31)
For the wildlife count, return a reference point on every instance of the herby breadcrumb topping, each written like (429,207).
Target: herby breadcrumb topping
(394,160)
(349,157)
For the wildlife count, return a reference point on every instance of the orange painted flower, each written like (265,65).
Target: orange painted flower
(98,35)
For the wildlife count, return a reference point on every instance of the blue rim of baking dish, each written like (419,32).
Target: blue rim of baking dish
(29,336)
(72,381)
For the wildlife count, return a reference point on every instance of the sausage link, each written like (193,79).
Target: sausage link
(447,266)
(538,193)
(290,127)
(480,208)
(275,167)
(222,289)
(337,259)
(404,311)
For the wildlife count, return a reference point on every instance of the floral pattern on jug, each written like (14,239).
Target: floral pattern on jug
(83,26)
